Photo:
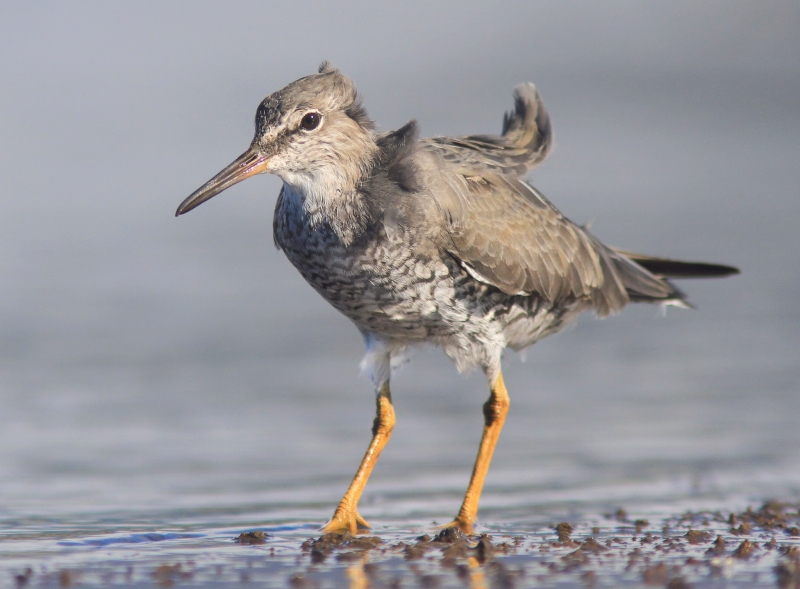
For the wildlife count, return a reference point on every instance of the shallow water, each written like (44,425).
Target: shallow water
(167,384)
(198,548)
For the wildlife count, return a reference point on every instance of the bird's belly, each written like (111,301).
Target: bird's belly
(411,299)
(384,288)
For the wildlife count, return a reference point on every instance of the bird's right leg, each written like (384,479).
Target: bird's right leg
(346,517)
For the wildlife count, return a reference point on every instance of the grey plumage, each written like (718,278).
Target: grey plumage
(434,240)
(437,240)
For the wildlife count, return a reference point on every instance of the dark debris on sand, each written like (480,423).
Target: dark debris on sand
(678,553)
(351,547)
(756,547)
(255,537)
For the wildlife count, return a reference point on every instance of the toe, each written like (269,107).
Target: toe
(349,521)
(362,523)
(462,525)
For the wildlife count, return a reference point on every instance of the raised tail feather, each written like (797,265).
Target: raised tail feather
(528,128)
(526,140)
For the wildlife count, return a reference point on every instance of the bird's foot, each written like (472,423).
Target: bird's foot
(462,524)
(346,520)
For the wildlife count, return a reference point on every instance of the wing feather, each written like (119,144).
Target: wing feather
(514,239)
(506,233)
(526,140)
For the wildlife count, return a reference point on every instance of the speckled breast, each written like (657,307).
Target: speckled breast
(379,281)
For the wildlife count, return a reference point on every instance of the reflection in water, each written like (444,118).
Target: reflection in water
(357,576)
(477,580)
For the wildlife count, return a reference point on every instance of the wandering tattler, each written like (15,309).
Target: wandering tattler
(435,241)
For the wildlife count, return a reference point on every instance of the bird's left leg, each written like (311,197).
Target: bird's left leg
(346,517)
(494,416)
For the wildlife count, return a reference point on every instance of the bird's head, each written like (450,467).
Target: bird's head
(313,134)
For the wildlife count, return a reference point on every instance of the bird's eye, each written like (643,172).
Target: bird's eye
(310,121)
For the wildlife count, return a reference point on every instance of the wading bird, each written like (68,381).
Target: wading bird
(434,241)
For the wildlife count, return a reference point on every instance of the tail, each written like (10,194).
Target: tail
(676,269)
(645,277)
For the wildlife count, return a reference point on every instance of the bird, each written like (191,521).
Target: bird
(433,241)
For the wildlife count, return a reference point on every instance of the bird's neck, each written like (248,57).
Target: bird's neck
(331,197)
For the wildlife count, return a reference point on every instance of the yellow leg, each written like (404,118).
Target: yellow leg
(494,415)
(346,517)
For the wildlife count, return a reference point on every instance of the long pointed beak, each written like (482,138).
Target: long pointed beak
(248,164)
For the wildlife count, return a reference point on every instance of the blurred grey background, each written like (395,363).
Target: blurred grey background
(152,361)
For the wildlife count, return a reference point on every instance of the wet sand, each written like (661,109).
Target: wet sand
(757,547)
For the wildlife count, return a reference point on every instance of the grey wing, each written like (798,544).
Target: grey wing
(525,141)
(505,233)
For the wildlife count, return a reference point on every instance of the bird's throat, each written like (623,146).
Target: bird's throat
(328,201)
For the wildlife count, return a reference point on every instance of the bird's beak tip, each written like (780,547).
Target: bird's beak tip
(248,164)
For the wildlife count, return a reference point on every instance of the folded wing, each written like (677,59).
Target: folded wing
(505,233)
